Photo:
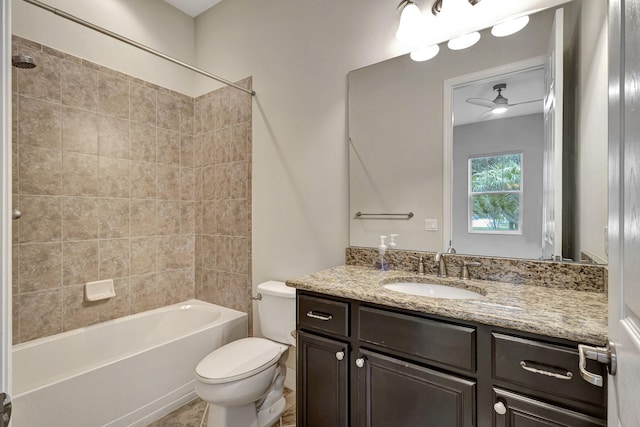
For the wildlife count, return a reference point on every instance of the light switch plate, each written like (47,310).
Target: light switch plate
(431,224)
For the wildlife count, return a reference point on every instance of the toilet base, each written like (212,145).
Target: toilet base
(244,416)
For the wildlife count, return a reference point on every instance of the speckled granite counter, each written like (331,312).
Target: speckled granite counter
(573,315)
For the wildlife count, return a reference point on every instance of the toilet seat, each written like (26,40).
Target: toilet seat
(238,359)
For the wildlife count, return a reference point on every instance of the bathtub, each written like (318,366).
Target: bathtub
(124,372)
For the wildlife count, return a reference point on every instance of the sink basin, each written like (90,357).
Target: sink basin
(432,290)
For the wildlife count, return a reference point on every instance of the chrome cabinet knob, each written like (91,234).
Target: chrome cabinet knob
(500,408)
(340,355)
(360,362)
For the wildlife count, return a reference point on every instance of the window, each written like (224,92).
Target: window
(495,194)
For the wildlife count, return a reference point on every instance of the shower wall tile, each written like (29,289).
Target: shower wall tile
(79,262)
(168,182)
(41,219)
(168,110)
(39,123)
(143,180)
(79,130)
(79,86)
(79,218)
(34,308)
(40,266)
(144,293)
(143,143)
(168,217)
(143,217)
(113,137)
(76,312)
(117,306)
(79,174)
(40,171)
(113,258)
(187,218)
(113,96)
(143,255)
(113,177)
(168,147)
(113,218)
(122,179)
(143,105)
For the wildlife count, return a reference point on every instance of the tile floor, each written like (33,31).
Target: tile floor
(190,415)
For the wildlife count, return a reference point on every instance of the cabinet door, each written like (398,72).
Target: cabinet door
(513,410)
(323,386)
(396,393)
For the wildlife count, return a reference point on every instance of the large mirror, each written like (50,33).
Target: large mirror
(417,145)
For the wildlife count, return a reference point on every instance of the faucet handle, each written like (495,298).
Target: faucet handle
(465,269)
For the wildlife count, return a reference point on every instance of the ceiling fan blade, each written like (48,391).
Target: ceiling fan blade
(481,102)
(485,115)
(526,102)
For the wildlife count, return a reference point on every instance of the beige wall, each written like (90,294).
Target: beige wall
(112,184)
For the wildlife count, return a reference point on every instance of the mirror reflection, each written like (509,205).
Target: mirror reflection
(404,123)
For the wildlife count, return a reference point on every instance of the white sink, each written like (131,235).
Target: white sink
(432,290)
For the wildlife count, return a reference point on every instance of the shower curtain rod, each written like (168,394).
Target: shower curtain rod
(135,44)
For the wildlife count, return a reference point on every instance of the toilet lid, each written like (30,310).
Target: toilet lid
(237,360)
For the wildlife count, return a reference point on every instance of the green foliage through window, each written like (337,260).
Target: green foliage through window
(496,193)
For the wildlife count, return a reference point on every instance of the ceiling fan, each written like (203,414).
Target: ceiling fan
(499,105)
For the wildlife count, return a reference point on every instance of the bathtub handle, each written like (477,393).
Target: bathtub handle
(319,316)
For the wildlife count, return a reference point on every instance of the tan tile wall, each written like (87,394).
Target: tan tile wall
(223,197)
(104,174)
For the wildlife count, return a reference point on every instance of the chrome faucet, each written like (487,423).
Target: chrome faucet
(442,266)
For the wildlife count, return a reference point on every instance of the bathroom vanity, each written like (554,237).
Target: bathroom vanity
(368,356)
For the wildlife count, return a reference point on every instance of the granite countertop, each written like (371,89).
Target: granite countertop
(579,316)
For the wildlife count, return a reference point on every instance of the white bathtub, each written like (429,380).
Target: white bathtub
(127,371)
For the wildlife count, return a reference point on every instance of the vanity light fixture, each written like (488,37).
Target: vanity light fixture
(510,26)
(425,53)
(410,22)
(464,41)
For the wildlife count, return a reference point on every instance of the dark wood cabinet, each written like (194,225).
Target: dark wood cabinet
(513,410)
(394,393)
(322,382)
(365,365)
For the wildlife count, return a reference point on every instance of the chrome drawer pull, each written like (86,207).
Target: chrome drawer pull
(340,355)
(566,376)
(319,316)
(360,362)
(500,408)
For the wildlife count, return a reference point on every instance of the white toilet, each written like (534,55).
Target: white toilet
(243,380)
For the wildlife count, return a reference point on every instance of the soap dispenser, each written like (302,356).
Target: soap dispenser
(392,241)
(381,264)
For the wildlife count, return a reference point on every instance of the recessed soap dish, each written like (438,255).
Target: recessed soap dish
(99,290)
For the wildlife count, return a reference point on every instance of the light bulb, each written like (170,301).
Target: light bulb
(499,110)
(509,27)
(464,41)
(425,53)
(410,24)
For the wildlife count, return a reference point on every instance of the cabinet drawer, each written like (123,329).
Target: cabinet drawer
(544,367)
(432,340)
(522,411)
(323,314)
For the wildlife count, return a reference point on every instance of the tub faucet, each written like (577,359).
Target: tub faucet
(442,266)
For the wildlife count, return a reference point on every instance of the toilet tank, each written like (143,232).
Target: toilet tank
(277,310)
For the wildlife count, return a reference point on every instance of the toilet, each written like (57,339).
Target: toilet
(243,381)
